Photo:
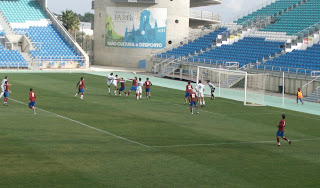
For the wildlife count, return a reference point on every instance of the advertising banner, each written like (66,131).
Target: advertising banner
(134,27)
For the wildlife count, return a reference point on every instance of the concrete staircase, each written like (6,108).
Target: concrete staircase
(314,97)
(168,70)
(6,27)
(231,81)
(26,56)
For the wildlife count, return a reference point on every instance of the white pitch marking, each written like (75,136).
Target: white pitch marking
(235,143)
(105,132)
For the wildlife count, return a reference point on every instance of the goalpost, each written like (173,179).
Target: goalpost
(235,84)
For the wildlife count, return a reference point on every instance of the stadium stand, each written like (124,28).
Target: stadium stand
(248,50)
(194,47)
(273,9)
(22,11)
(26,17)
(49,43)
(297,19)
(11,59)
(298,59)
(272,36)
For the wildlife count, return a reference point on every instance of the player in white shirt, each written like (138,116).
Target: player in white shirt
(115,84)
(2,86)
(213,88)
(200,89)
(139,89)
(110,81)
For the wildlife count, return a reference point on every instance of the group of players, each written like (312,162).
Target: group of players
(113,80)
(5,91)
(191,95)
(198,95)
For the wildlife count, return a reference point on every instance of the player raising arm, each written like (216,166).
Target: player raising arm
(148,85)
(200,88)
(2,86)
(134,86)
(189,89)
(280,132)
(213,88)
(6,93)
(32,100)
(80,86)
(193,98)
(123,87)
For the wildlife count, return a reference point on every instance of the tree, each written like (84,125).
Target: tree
(70,20)
(89,17)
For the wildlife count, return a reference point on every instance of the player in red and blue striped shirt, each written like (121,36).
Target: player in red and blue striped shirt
(32,100)
(280,132)
(80,86)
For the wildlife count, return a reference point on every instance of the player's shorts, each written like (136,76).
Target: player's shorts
(133,88)
(2,89)
(81,90)
(201,94)
(187,95)
(193,103)
(109,82)
(31,104)
(139,90)
(280,133)
(212,90)
(148,90)
(6,94)
(115,83)
(122,88)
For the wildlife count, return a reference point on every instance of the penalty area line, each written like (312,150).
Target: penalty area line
(85,125)
(234,143)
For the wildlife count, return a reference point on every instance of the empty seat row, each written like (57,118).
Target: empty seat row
(245,51)
(22,11)
(299,59)
(270,10)
(194,47)
(297,19)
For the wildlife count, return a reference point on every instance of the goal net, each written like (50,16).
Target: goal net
(235,84)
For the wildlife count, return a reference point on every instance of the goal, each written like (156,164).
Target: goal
(235,84)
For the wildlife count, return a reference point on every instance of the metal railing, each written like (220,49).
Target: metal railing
(307,32)
(278,70)
(318,93)
(199,14)
(58,62)
(156,68)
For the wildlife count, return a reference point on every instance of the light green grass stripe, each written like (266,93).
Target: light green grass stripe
(83,124)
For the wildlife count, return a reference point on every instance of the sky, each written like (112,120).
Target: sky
(229,10)
(78,6)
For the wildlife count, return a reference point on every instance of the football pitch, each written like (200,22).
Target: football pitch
(111,141)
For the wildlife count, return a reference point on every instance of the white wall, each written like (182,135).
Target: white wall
(129,57)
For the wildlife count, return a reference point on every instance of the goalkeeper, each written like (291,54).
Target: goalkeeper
(213,88)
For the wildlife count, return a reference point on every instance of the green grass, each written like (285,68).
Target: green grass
(45,150)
